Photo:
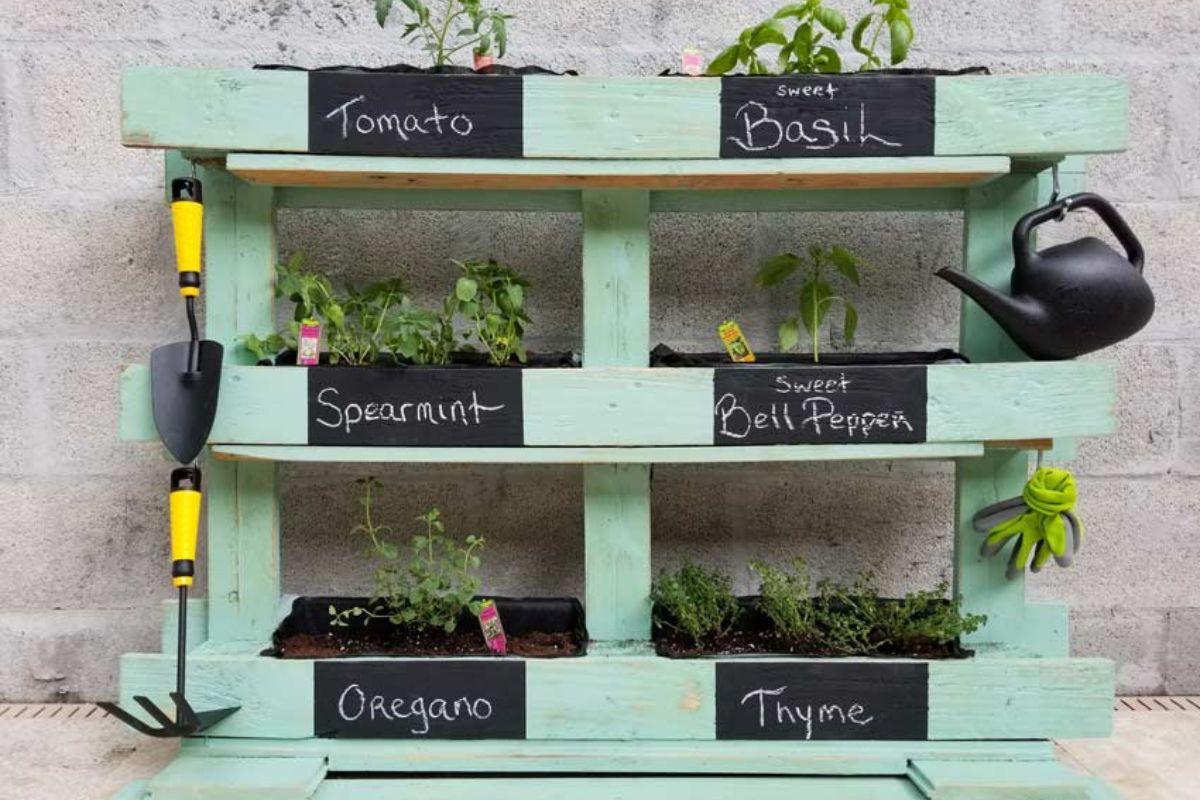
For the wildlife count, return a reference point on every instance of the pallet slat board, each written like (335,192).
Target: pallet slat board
(625,118)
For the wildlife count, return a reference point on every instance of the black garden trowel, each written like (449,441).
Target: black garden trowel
(185,376)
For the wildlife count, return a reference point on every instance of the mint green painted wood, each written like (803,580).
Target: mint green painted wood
(696,788)
(1014,698)
(245,110)
(1021,401)
(616,534)
(132,791)
(652,699)
(383,172)
(640,407)
(601,455)
(730,200)
(197,624)
(987,780)
(627,406)
(428,199)
(620,698)
(276,696)
(1032,114)
(208,778)
(616,278)
(621,118)
(607,756)
(214,109)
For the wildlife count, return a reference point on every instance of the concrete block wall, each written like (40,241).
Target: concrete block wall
(86,286)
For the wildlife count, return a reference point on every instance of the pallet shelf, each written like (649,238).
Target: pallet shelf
(616,151)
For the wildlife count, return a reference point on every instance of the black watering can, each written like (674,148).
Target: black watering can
(1073,298)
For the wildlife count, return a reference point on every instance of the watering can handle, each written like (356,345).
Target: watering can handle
(1022,234)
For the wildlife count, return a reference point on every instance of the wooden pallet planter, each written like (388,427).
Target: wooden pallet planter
(635,724)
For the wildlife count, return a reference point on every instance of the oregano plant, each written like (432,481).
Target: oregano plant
(694,601)
(806,34)
(815,297)
(450,27)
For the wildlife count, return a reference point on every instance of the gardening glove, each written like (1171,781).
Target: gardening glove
(1040,522)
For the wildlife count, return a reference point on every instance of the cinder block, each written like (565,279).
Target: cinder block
(128,19)
(1187,452)
(1183,651)
(1140,546)
(1130,24)
(15,439)
(70,656)
(88,268)
(981,30)
(530,516)
(1148,414)
(1133,638)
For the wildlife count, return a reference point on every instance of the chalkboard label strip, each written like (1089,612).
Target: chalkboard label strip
(391,114)
(827,116)
(423,407)
(435,699)
(812,701)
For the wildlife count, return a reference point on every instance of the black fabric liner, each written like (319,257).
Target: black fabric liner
(518,615)
(664,356)
(892,71)
(409,69)
(457,360)
(752,620)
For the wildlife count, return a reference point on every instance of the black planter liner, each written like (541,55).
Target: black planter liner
(409,69)
(563,360)
(664,356)
(752,620)
(894,71)
(519,615)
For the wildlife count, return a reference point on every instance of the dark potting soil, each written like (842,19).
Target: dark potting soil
(409,69)
(535,627)
(664,356)
(753,635)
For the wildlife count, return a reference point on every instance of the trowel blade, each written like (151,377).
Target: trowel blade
(185,401)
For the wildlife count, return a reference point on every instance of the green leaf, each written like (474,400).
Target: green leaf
(901,31)
(831,19)
(777,269)
(770,32)
(382,9)
(789,334)
(465,289)
(828,60)
(845,263)
(850,323)
(725,61)
(813,307)
(798,10)
(860,30)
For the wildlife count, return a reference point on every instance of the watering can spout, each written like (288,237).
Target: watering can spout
(1018,319)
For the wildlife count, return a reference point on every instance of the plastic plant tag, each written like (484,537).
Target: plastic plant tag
(493,630)
(735,342)
(692,62)
(484,60)
(308,348)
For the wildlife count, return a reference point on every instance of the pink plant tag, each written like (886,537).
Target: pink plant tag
(484,60)
(308,348)
(493,631)
(693,62)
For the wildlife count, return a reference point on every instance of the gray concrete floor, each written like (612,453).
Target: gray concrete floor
(75,752)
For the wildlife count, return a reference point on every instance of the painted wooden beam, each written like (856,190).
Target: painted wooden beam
(648,698)
(428,199)
(206,777)
(233,110)
(384,172)
(623,406)
(938,451)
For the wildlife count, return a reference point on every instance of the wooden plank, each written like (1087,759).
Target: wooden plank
(891,200)
(611,756)
(620,698)
(623,405)
(600,455)
(214,109)
(1012,698)
(377,172)
(136,790)
(205,778)
(621,118)
(427,200)
(990,780)
(616,279)
(1031,114)
(636,407)
(698,788)
(616,534)
(275,696)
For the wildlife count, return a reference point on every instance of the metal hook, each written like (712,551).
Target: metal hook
(1055,190)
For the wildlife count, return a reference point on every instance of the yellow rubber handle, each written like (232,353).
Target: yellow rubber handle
(187,218)
(185,504)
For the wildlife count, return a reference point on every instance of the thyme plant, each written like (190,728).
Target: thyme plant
(694,601)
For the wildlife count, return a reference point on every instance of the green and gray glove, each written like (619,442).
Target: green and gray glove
(1040,523)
